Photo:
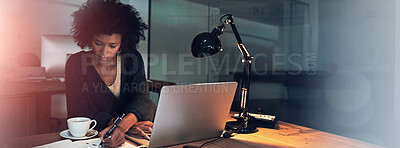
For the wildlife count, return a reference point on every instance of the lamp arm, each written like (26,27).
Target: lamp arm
(240,44)
(245,85)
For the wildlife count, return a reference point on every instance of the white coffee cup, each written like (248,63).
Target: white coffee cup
(78,126)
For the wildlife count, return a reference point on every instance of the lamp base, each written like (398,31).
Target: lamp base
(232,125)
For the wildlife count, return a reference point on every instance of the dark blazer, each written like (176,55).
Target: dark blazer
(89,96)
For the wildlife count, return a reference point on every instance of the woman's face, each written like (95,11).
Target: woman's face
(106,46)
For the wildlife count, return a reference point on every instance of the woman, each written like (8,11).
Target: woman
(109,80)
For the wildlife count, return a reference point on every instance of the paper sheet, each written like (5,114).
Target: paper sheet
(91,143)
(59,144)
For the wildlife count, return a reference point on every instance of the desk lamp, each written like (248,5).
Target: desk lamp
(207,44)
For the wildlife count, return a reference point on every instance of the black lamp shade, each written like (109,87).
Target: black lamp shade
(205,44)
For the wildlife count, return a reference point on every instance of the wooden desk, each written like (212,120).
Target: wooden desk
(10,90)
(25,107)
(288,135)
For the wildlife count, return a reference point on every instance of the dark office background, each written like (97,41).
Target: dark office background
(328,65)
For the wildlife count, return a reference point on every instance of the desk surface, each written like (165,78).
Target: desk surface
(288,135)
(23,89)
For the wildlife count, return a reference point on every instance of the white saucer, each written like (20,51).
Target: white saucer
(67,134)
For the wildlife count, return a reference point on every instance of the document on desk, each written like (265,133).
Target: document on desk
(91,143)
(136,139)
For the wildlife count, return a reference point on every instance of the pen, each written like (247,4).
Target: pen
(116,122)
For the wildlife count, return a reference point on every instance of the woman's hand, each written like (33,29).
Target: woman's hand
(116,139)
(141,128)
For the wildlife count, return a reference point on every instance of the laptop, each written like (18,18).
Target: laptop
(187,113)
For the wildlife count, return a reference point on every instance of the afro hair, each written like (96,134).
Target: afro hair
(108,17)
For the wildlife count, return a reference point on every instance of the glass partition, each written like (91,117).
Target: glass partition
(277,33)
